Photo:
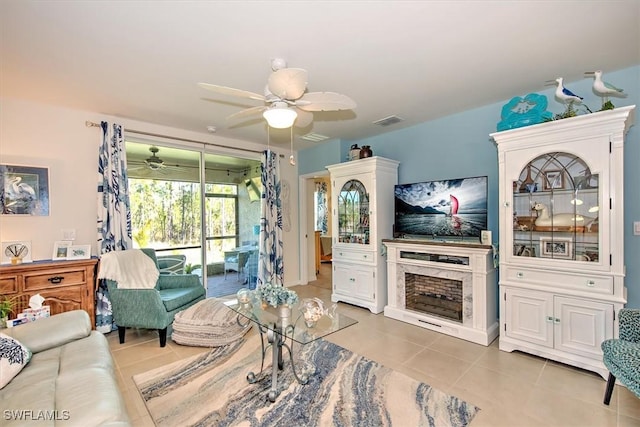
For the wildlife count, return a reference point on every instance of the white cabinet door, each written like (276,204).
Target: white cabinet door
(529,316)
(354,280)
(343,280)
(582,325)
(364,283)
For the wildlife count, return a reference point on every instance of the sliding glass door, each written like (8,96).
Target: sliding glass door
(190,225)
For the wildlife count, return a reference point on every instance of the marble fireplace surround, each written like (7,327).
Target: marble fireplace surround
(479,288)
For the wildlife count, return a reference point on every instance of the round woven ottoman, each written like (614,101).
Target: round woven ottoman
(208,323)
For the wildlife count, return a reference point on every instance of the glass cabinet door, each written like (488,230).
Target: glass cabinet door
(556,205)
(353,213)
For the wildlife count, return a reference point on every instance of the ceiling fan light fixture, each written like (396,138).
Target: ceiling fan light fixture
(280,118)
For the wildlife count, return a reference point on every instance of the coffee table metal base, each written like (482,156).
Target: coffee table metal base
(276,340)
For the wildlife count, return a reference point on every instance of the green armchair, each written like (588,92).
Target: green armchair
(622,356)
(154,308)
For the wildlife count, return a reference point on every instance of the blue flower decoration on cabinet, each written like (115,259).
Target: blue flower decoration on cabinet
(526,111)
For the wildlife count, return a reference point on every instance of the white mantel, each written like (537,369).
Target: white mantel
(479,322)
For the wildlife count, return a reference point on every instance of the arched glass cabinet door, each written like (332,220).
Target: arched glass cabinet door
(556,206)
(353,213)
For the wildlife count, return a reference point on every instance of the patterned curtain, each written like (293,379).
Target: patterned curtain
(114,214)
(270,268)
(322,208)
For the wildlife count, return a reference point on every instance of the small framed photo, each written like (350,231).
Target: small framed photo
(79,252)
(557,247)
(16,252)
(485,237)
(60,249)
(553,180)
(524,250)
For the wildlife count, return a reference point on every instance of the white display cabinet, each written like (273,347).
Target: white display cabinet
(562,236)
(362,215)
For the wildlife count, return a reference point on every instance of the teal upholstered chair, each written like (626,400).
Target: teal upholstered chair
(154,308)
(622,356)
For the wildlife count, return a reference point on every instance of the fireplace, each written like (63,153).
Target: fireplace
(434,295)
(449,288)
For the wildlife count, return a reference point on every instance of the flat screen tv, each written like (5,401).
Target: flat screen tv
(443,209)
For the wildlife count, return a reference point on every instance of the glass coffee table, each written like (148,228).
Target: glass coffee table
(280,329)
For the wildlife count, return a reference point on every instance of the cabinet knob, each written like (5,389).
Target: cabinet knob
(506,204)
(591,283)
(549,319)
(556,320)
(519,274)
(56,279)
(352,279)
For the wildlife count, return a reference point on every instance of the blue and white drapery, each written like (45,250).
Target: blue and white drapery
(114,213)
(322,208)
(270,267)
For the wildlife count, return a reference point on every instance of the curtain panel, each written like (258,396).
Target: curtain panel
(114,214)
(270,265)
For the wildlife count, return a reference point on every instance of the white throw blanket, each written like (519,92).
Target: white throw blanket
(131,269)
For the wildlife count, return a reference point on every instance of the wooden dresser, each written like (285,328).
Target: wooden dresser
(65,285)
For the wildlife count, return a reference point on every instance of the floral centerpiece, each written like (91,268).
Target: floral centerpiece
(276,295)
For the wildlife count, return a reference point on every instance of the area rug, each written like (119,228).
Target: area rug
(345,389)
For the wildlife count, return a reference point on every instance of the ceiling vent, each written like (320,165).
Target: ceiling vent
(387,121)
(314,137)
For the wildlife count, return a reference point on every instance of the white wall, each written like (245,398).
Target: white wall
(42,135)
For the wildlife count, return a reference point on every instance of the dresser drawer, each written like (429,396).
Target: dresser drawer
(587,283)
(8,285)
(46,280)
(350,255)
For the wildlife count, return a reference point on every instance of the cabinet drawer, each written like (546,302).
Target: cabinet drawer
(58,278)
(347,255)
(602,285)
(8,285)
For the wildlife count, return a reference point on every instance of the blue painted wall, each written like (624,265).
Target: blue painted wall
(459,145)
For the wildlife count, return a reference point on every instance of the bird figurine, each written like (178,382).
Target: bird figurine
(604,89)
(567,97)
(563,94)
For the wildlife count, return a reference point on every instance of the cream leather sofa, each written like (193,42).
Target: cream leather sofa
(70,377)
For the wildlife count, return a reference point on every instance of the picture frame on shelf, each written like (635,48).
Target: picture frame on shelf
(20,249)
(556,247)
(553,180)
(60,249)
(524,250)
(79,252)
(24,190)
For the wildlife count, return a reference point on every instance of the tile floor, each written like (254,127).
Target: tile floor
(512,389)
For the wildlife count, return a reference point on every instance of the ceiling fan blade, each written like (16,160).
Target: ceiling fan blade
(325,101)
(247,112)
(288,83)
(232,92)
(304,118)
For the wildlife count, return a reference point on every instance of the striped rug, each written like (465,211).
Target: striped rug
(345,389)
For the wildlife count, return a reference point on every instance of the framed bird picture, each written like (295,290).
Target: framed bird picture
(24,190)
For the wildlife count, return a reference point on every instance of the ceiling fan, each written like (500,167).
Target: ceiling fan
(152,163)
(286,99)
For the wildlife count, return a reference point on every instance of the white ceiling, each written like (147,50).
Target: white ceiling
(419,60)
